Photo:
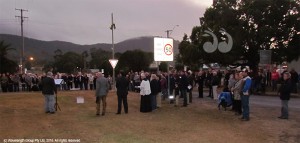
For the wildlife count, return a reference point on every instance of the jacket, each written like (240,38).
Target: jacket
(237,89)
(285,90)
(154,85)
(122,86)
(247,85)
(145,87)
(102,86)
(48,86)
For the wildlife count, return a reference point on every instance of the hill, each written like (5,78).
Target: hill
(44,50)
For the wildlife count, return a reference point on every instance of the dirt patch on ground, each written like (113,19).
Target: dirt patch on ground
(23,117)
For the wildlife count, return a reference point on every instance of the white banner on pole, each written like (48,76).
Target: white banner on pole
(163,49)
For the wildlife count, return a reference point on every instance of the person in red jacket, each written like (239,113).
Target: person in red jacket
(274,78)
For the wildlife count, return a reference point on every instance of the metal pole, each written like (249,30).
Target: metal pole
(22,50)
(168,35)
(113,46)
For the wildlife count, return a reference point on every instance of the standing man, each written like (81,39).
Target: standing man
(122,91)
(200,82)
(102,87)
(245,96)
(285,93)
(48,90)
(183,84)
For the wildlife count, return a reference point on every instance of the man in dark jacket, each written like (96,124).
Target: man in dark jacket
(200,81)
(48,90)
(183,84)
(122,91)
(285,93)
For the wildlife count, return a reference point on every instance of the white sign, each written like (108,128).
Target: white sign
(113,62)
(163,49)
(80,99)
(58,81)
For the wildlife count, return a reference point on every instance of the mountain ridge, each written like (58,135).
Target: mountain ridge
(44,50)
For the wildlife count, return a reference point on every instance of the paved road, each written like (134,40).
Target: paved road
(267,101)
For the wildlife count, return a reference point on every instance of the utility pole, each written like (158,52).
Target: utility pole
(22,51)
(168,36)
(112,27)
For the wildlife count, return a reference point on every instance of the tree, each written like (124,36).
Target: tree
(67,63)
(100,60)
(135,60)
(254,25)
(6,65)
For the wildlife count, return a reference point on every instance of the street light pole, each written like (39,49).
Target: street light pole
(112,27)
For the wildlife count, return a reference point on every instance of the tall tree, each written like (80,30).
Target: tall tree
(135,60)
(253,25)
(6,65)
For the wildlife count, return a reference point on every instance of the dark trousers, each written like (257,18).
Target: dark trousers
(237,106)
(210,92)
(70,85)
(274,85)
(122,98)
(191,96)
(200,90)
(86,86)
(91,86)
(145,105)
(16,87)
(153,101)
(183,94)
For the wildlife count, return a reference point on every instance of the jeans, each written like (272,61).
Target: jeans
(284,108)
(49,103)
(245,106)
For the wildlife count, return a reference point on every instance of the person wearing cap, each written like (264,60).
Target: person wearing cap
(245,96)
(48,90)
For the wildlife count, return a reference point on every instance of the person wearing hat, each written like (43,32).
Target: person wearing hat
(49,90)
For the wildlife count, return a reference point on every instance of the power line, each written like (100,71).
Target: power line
(22,51)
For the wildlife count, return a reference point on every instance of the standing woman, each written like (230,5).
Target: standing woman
(237,90)
(154,85)
(145,92)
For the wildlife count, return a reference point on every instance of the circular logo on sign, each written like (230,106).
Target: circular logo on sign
(168,50)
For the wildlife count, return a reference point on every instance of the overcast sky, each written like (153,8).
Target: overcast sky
(88,21)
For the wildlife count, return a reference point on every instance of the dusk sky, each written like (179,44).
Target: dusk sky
(88,21)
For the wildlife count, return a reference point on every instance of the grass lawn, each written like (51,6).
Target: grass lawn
(22,117)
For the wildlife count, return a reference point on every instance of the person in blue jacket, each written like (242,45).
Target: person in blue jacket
(245,96)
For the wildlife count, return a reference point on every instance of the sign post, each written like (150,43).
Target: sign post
(163,51)
(113,63)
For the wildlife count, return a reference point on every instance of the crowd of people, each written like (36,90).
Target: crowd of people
(153,87)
